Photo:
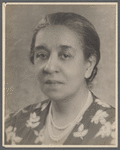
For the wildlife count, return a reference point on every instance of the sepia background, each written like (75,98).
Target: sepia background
(21,86)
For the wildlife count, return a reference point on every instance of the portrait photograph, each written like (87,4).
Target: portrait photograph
(60,74)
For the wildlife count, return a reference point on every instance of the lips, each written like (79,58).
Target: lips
(53,82)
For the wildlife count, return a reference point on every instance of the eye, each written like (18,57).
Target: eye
(42,56)
(65,56)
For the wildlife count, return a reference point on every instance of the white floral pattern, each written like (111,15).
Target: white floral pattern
(27,127)
(11,135)
(40,135)
(102,103)
(100,117)
(33,121)
(81,132)
(107,130)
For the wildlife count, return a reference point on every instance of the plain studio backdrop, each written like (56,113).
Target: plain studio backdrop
(21,86)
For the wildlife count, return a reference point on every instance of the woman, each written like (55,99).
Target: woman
(65,51)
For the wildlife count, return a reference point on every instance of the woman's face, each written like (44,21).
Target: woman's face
(59,62)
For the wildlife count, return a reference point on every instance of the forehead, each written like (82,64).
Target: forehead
(57,35)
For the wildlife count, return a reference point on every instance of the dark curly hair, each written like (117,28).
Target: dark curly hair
(79,24)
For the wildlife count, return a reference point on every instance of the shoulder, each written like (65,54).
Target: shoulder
(103,109)
(20,124)
(101,105)
(23,114)
(99,110)
(97,126)
(103,122)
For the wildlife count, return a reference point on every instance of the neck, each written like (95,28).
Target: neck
(66,110)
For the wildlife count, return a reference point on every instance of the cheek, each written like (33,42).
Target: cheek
(38,72)
(75,71)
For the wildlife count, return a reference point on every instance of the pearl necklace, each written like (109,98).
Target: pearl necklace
(68,127)
(57,127)
(57,138)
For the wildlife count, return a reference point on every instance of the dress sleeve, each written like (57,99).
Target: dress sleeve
(12,125)
(106,134)
(19,125)
(10,128)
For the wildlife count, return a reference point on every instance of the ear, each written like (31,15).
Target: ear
(90,65)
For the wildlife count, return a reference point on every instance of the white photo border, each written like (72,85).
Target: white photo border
(3,72)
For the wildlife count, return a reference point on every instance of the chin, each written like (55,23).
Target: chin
(54,96)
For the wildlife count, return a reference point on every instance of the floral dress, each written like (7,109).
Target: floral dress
(97,126)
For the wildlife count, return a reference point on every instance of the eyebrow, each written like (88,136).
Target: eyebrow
(41,47)
(62,47)
(65,47)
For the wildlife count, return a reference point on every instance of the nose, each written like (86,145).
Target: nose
(52,65)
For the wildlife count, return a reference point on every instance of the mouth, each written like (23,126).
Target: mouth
(53,82)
